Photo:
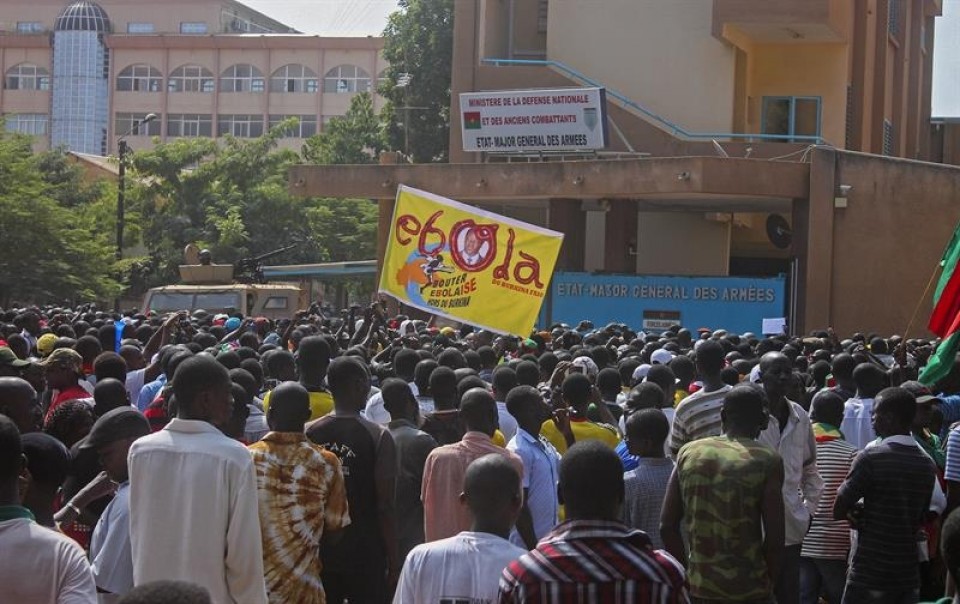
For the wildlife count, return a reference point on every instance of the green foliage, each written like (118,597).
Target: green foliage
(232,198)
(354,138)
(57,245)
(353,223)
(418,41)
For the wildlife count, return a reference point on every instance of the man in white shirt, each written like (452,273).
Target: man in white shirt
(857,425)
(111,437)
(790,434)
(193,495)
(39,565)
(467,566)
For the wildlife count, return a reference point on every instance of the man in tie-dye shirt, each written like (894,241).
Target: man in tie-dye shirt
(302,499)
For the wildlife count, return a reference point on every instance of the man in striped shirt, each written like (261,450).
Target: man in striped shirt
(698,415)
(823,557)
(895,480)
(592,557)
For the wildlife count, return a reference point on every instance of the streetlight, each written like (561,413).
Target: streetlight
(122,150)
(404,81)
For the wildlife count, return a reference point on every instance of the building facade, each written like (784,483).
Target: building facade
(84,74)
(856,73)
(844,85)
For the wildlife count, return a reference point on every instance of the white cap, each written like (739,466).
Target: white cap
(586,363)
(640,373)
(661,356)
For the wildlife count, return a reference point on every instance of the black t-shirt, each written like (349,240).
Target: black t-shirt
(445,427)
(366,450)
(84,467)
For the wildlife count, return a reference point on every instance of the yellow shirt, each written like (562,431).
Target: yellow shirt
(321,403)
(499,439)
(582,430)
(679,395)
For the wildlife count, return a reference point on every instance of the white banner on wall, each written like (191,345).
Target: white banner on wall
(565,119)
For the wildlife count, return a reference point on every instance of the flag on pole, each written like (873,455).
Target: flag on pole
(945,318)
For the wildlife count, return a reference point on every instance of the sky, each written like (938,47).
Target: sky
(946,62)
(343,18)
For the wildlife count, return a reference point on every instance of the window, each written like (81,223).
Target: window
(30,27)
(791,116)
(293,78)
(305,127)
(190,78)
(27,76)
(139,28)
(241,78)
(894,13)
(140,78)
(887,137)
(193,27)
(275,303)
(189,124)
(243,126)
(130,122)
(346,78)
(27,123)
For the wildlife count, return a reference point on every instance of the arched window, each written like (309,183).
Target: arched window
(241,78)
(346,78)
(27,76)
(293,78)
(140,78)
(190,78)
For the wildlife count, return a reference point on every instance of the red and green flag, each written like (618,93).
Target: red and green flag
(471,120)
(945,319)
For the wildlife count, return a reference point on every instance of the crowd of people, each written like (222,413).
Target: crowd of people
(201,457)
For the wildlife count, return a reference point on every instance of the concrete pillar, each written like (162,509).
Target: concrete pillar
(621,234)
(813,245)
(566,217)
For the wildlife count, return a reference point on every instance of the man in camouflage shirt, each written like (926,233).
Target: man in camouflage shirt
(729,489)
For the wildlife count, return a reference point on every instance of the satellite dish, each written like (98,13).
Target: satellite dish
(191,254)
(778,231)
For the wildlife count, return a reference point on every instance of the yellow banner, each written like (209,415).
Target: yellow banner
(459,262)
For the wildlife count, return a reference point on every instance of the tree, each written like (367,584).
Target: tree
(232,198)
(355,138)
(56,245)
(418,45)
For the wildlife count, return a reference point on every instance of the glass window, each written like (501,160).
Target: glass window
(190,78)
(275,303)
(218,301)
(193,27)
(293,78)
(131,122)
(140,78)
(30,27)
(305,127)
(189,125)
(241,78)
(791,116)
(346,78)
(140,28)
(27,123)
(27,76)
(242,126)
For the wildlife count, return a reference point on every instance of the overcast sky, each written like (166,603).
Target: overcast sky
(946,62)
(346,18)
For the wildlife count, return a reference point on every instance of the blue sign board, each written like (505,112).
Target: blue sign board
(737,304)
